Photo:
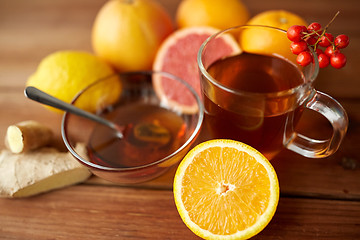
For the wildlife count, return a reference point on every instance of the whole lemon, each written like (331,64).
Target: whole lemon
(214,13)
(128,33)
(268,41)
(63,74)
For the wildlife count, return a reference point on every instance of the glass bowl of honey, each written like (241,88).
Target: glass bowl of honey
(159,116)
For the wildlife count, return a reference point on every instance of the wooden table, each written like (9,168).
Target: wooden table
(320,199)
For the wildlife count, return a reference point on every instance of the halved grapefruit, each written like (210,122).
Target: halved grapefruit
(178,55)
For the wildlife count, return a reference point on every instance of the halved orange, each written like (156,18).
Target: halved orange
(225,189)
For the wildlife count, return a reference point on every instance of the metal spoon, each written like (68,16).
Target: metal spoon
(39,96)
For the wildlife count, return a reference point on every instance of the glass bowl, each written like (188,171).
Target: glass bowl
(158,124)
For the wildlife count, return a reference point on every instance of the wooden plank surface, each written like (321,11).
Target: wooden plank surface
(320,199)
(85,212)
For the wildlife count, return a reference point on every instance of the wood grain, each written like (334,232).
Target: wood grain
(320,198)
(87,212)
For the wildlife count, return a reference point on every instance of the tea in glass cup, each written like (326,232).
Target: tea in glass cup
(257,96)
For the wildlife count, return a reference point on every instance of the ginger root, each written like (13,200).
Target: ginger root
(26,136)
(35,172)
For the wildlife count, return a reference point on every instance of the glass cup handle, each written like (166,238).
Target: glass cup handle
(335,113)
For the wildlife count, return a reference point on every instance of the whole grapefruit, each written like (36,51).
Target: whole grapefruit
(128,33)
(277,18)
(266,41)
(214,13)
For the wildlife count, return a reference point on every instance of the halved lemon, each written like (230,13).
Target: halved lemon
(225,189)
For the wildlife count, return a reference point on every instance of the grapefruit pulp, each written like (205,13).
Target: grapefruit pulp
(178,55)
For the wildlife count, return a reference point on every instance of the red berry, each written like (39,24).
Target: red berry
(323,60)
(319,51)
(298,47)
(304,58)
(338,60)
(304,30)
(314,27)
(330,50)
(311,40)
(295,33)
(326,40)
(341,41)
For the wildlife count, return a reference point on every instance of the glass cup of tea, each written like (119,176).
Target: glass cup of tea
(254,91)
(156,130)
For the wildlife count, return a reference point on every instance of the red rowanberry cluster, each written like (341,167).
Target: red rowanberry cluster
(315,37)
